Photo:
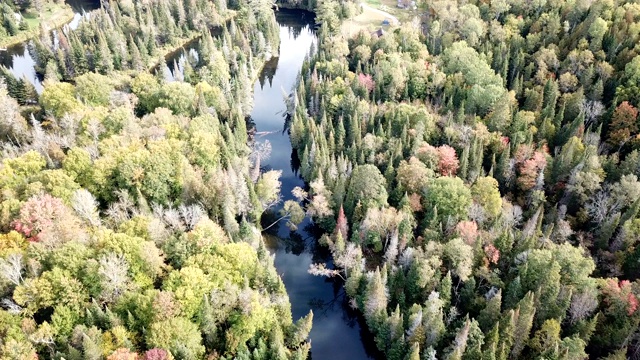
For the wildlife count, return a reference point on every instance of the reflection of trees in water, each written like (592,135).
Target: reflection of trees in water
(295,162)
(296,21)
(83,5)
(304,239)
(268,71)
(6,57)
(295,31)
(350,316)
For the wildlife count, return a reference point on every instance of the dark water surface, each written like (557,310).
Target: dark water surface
(337,332)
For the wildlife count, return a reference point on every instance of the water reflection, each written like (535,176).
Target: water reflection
(337,332)
(20,63)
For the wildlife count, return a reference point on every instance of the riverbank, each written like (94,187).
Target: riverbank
(309,7)
(173,49)
(337,332)
(54,16)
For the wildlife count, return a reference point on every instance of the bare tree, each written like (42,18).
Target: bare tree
(602,206)
(582,305)
(477,213)
(592,110)
(95,129)
(349,258)
(11,268)
(12,124)
(321,269)
(158,232)
(113,270)
(43,336)
(172,218)
(511,215)
(259,151)
(11,306)
(392,249)
(407,256)
(86,206)
(122,209)
(191,215)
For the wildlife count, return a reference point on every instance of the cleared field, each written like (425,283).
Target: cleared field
(369,20)
(391,7)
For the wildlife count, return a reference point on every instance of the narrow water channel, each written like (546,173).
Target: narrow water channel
(337,332)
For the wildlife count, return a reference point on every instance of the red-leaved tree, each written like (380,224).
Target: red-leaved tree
(623,124)
(341,224)
(45,218)
(366,81)
(468,231)
(529,170)
(447,160)
(156,354)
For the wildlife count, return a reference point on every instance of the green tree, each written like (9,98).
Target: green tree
(367,185)
(177,335)
(449,196)
(485,192)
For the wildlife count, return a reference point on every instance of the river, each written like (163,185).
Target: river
(337,332)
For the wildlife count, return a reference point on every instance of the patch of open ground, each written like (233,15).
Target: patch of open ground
(391,7)
(377,14)
(53,15)
(368,20)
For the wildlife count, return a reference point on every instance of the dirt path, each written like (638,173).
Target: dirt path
(394,20)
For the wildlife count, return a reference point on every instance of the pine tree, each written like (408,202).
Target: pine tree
(525,313)
(491,312)
(78,57)
(103,63)
(301,329)
(503,171)
(375,301)
(137,63)
(490,347)
(506,335)
(414,353)
(445,290)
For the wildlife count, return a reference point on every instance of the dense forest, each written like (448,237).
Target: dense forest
(130,205)
(476,174)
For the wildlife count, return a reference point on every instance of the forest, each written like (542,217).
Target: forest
(131,205)
(475,175)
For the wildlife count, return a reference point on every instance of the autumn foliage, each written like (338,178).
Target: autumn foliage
(619,294)
(447,160)
(623,124)
(468,231)
(46,218)
(529,170)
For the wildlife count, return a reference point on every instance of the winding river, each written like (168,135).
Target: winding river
(338,332)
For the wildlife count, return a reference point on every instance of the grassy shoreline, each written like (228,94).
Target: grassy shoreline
(54,18)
